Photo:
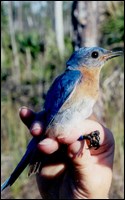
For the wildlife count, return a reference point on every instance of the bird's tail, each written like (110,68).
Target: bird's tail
(5,184)
(21,165)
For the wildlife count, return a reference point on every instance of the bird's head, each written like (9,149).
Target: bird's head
(90,57)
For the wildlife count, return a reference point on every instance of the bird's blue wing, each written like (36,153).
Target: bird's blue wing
(59,92)
(56,96)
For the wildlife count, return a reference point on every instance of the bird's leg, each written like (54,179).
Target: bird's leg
(93,139)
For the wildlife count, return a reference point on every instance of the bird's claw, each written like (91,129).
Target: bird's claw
(93,138)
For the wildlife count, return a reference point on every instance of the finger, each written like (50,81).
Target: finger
(36,129)
(27,116)
(106,137)
(48,145)
(78,150)
(86,127)
(29,119)
(70,138)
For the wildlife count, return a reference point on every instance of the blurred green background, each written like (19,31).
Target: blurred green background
(37,38)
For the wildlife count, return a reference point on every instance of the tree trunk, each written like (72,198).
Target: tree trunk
(2,53)
(84,21)
(91,31)
(20,16)
(59,26)
(16,68)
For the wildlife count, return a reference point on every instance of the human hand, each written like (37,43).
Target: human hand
(67,176)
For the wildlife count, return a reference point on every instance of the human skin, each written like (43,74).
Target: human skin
(68,175)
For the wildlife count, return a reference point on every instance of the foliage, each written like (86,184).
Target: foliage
(30,41)
(113,27)
(4,17)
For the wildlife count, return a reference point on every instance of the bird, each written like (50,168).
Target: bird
(69,100)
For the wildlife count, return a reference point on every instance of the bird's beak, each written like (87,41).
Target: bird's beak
(111,54)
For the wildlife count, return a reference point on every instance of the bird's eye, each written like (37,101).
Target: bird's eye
(95,54)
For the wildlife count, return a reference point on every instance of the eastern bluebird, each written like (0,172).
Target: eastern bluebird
(69,101)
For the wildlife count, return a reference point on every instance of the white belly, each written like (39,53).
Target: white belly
(68,119)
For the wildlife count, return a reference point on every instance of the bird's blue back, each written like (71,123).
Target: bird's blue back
(59,92)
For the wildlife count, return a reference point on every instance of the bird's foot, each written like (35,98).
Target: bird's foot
(92,138)
(92,141)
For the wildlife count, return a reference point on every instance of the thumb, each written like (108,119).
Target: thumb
(79,153)
(27,115)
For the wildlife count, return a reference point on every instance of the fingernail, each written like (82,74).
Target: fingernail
(45,142)
(61,138)
(36,126)
(23,109)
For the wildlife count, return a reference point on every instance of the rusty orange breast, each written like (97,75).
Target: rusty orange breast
(88,88)
(89,85)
